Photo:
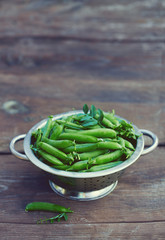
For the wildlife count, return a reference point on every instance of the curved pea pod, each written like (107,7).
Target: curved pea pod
(53,151)
(128,152)
(45,206)
(58,143)
(78,137)
(129,144)
(109,145)
(48,157)
(79,166)
(70,124)
(112,118)
(109,157)
(89,155)
(57,130)
(104,166)
(100,133)
(61,167)
(47,128)
(121,142)
(38,137)
(105,121)
(79,148)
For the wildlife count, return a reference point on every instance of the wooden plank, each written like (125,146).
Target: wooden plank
(123,231)
(138,197)
(74,59)
(108,20)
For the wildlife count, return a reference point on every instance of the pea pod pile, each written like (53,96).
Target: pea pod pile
(90,141)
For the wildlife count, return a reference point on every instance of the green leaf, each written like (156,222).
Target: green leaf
(65,216)
(93,111)
(85,108)
(101,115)
(52,219)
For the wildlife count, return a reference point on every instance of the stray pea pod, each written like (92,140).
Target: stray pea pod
(45,206)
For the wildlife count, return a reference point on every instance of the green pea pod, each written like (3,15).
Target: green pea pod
(128,152)
(104,166)
(45,206)
(58,143)
(38,137)
(69,124)
(79,148)
(112,118)
(100,133)
(61,167)
(121,142)
(48,157)
(57,130)
(89,155)
(53,151)
(105,121)
(109,145)
(79,166)
(78,137)
(109,157)
(47,127)
(129,145)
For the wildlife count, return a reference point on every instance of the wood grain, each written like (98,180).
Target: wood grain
(138,197)
(68,58)
(78,231)
(85,20)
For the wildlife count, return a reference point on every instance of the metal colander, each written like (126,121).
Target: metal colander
(82,186)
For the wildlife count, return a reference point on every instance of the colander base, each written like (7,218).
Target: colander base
(82,196)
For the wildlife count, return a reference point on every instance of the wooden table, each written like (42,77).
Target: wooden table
(56,56)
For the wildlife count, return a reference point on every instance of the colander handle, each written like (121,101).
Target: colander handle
(12,148)
(154,139)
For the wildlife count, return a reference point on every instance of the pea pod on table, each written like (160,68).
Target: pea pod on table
(45,206)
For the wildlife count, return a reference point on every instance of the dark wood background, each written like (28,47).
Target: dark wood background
(56,56)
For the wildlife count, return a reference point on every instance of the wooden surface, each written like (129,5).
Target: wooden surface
(56,56)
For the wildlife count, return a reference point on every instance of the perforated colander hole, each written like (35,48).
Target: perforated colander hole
(118,174)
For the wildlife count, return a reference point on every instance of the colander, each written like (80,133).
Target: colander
(83,186)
